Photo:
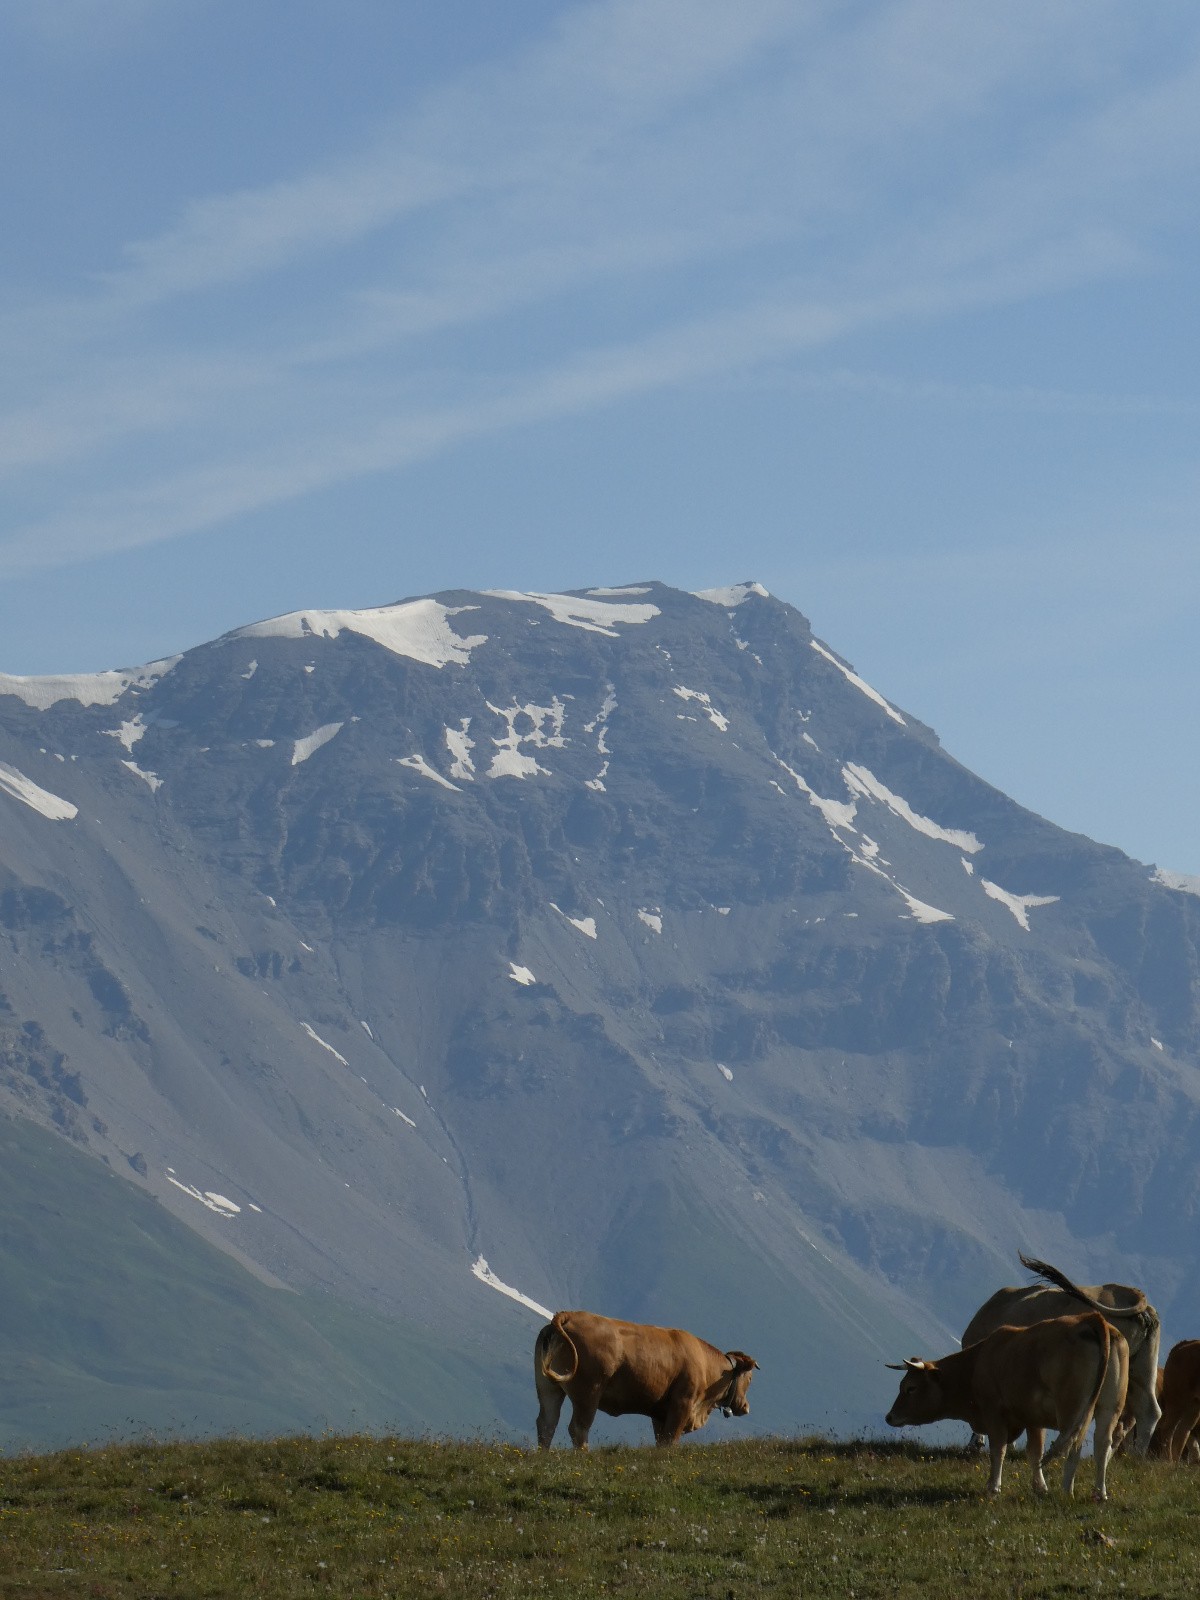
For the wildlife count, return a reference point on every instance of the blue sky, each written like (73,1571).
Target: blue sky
(891,305)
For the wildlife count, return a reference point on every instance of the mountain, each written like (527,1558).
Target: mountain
(374,979)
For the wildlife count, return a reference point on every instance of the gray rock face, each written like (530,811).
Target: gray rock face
(626,941)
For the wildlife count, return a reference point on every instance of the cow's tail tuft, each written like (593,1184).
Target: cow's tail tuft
(555,1331)
(1049,1274)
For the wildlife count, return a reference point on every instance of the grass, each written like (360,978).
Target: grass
(368,1517)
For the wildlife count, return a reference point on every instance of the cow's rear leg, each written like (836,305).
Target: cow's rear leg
(1035,1453)
(1188,1418)
(550,1404)
(583,1414)
(1109,1416)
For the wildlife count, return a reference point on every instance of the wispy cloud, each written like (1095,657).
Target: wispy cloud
(656,193)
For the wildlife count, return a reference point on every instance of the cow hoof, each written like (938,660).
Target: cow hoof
(1100,1498)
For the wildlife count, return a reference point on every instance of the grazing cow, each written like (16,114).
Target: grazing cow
(1056,1374)
(1180,1402)
(1126,1308)
(619,1368)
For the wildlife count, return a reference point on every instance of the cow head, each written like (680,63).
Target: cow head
(920,1398)
(741,1369)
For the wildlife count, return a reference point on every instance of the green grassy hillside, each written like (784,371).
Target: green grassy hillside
(116,1320)
(366,1518)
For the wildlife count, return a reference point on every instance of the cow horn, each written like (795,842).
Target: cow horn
(910,1364)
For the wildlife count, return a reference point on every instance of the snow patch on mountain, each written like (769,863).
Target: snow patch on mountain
(920,910)
(521,975)
(151,779)
(485,1275)
(837,813)
(128,733)
(717,718)
(594,616)
(218,1203)
(652,919)
(1176,880)
(419,764)
(859,683)
(732,596)
(862,782)
(586,925)
(543,731)
(89,688)
(317,1039)
(312,742)
(460,746)
(416,629)
(32,794)
(1019,904)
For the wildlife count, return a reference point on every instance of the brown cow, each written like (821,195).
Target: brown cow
(1057,1374)
(619,1368)
(1126,1308)
(1180,1401)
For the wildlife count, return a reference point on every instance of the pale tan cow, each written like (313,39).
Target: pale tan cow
(622,1368)
(1056,1296)
(1056,1374)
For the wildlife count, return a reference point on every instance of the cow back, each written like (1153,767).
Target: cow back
(1038,1302)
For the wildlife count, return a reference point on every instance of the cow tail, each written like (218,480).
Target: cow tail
(1104,1337)
(556,1328)
(1049,1274)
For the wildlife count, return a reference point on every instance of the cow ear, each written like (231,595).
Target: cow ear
(741,1361)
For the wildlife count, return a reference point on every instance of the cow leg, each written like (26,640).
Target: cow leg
(550,1404)
(997,1445)
(673,1424)
(583,1414)
(1035,1452)
(1143,1403)
(1103,1450)
(1067,1447)
(1188,1418)
(1109,1415)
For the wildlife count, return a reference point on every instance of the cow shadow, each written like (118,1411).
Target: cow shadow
(849,1486)
(770,1500)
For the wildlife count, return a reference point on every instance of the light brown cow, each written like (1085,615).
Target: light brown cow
(1056,1296)
(624,1368)
(1180,1401)
(1056,1374)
